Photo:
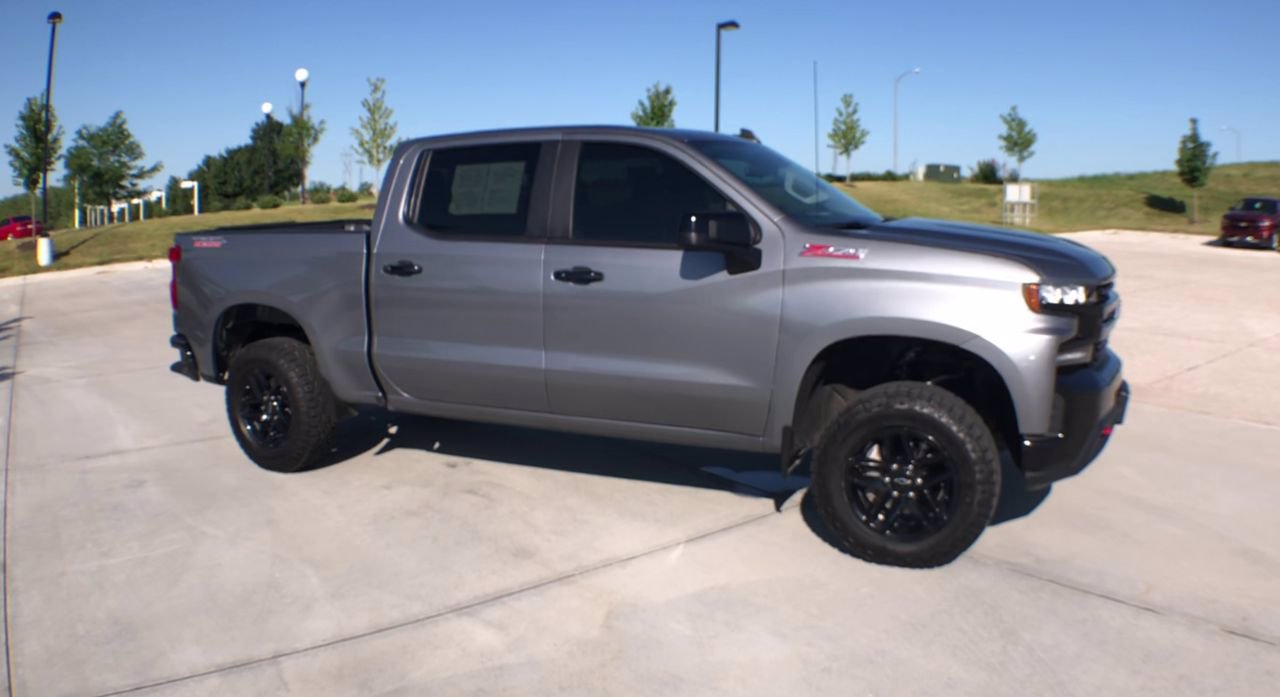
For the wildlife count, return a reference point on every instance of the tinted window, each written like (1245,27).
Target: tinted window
(626,193)
(482,191)
(1257,205)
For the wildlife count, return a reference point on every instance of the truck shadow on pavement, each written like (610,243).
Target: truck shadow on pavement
(744,474)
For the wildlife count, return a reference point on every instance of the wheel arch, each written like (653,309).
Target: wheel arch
(863,361)
(245,323)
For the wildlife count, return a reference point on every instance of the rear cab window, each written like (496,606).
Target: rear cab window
(476,192)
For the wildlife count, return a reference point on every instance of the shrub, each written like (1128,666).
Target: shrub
(240,204)
(365,189)
(986,172)
(347,196)
(319,188)
(269,201)
(886,176)
(318,196)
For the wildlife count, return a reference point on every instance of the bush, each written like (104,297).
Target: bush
(240,204)
(885,176)
(318,196)
(365,189)
(986,172)
(268,202)
(319,188)
(347,196)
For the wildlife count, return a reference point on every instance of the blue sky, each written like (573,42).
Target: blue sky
(1109,86)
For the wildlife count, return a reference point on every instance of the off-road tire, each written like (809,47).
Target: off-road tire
(311,406)
(954,429)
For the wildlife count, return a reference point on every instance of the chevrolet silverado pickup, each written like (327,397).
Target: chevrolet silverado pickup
(675,286)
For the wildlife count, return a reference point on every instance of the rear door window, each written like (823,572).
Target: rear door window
(478,191)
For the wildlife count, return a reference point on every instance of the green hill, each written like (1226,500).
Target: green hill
(151,239)
(1142,201)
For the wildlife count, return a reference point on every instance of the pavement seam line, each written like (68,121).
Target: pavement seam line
(1163,612)
(1215,359)
(455,609)
(4,505)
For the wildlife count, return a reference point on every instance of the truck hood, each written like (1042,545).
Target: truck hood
(1054,258)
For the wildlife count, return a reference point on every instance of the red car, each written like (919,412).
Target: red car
(1253,221)
(19,226)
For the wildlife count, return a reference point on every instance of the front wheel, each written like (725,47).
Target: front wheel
(907,474)
(281,410)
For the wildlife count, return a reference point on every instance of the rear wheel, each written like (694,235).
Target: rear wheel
(281,410)
(908,475)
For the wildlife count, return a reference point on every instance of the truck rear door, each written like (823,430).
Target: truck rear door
(638,329)
(456,279)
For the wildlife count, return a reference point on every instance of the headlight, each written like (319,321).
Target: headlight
(1045,295)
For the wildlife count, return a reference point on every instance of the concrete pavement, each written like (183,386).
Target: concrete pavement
(146,555)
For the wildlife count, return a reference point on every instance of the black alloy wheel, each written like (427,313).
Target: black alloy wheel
(263,411)
(901,483)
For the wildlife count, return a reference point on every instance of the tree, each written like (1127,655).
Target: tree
(1195,161)
(375,138)
(26,154)
(1018,138)
(107,161)
(847,133)
(301,136)
(657,109)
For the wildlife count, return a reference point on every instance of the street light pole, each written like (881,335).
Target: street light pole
(721,27)
(301,76)
(44,245)
(913,71)
(266,111)
(1236,133)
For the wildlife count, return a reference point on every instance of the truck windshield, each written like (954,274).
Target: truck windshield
(1256,205)
(794,190)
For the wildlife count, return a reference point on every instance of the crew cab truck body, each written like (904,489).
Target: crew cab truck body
(673,286)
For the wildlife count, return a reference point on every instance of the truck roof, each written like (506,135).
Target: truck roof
(558,132)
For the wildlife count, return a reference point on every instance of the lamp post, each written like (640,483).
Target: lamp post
(913,71)
(195,194)
(1236,133)
(44,244)
(266,112)
(721,27)
(301,76)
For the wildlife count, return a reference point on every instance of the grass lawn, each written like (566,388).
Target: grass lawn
(1144,201)
(151,239)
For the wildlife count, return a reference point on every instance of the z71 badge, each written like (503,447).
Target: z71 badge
(834,252)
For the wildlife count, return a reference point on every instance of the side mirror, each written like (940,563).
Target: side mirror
(729,233)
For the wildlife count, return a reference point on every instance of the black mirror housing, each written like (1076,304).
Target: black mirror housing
(728,232)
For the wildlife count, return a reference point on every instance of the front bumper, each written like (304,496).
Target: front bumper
(1088,403)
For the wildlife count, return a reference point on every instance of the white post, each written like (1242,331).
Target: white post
(77,185)
(195,192)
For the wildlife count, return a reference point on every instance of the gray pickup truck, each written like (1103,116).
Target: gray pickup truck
(675,286)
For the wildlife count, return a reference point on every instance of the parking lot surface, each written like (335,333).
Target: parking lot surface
(144,554)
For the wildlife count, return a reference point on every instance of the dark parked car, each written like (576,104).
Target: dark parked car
(19,226)
(1253,221)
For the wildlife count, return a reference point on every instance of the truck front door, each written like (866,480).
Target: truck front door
(456,279)
(638,329)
